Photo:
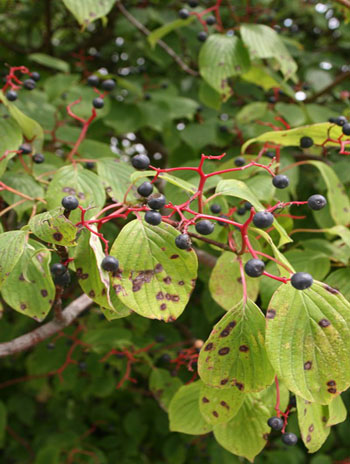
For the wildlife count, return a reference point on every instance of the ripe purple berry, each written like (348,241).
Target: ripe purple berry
(289,439)
(140,161)
(316,202)
(183,241)
(280,181)
(276,423)
(98,103)
(254,267)
(153,217)
(70,203)
(204,227)
(301,280)
(156,201)
(110,264)
(145,189)
(263,219)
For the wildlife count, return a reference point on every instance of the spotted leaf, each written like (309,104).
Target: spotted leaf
(54,227)
(218,406)
(234,354)
(155,278)
(12,245)
(184,413)
(163,386)
(308,340)
(29,289)
(312,418)
(247,433)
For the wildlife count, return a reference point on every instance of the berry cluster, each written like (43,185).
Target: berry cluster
(13,83)
(107,85)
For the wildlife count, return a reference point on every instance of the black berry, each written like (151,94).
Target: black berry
(292,401)
(58,269)
(210,20)
(160,338)
(332,120)
(241,211)
(108,84)
(276,423)
(183,241)
(248,206)
(29,84)
(316,202)
(289,439)
(306,142)
(93,80)
(165,357)
(25,149)
(202,36)
(239,161)
(110,264)
(153,217)
(346,129)
(35,75)
(341,120)
(98,103)
(11,95)
(147,97)
(156,201)
(222,223)
(254,267)
(280,181)
(89,165)
(184,14)
(69,203)
(215,208)
(223,129)
(263,219)
(82,365)
(301,280)
(145,189)
(38,158)
(270,154)
(193,3)
(62,280)
(140,161)
(204,227)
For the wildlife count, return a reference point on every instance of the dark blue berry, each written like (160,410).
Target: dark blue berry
(93,80)
(306,142)
(140,161)
(346,129)
(263,219)
(341,120)
(239,161)
(184,14)
(280,181)
(35,75)
(145,189)
(58,269)
(215,208)
(25,149)
(210,20)
(183,241)
(202,36)
(98,103)
(316,202)
(276,423)
(153,217)
(70,203)
(254,267)
(29,84)
(38,158)
(110,264)
(301,280)
(289,439)
(11,95)
(62,280)
(108,84)
(156,201)
(204,227)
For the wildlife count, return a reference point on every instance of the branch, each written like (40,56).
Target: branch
(24,342)
(161,43)
(342,77)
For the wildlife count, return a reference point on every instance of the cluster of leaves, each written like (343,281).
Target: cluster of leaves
(236,89)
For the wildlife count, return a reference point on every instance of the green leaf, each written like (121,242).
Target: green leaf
(234,354)
(309,261)
(29,289)
(263,42)
(225,282)
(50,61)
(312,419)
(162,31)
(336,412)
(339,202)
(54,227)
(56,85)
(10,139)
(308,341)
(30,128)
(3,422)
(179,107)
(260,76)
(177,181)
(222,57)
(115,176)
(87,11)
(251,112)
(340,280)
(163,386)
(12,245)
(291,137)
(218,406)
(209,96)
(83,184)
(247,433)
(184,413)
(156,277)
(49,454)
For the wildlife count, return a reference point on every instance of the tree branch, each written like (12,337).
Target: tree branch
(161,43)
(342,77)
(24,342)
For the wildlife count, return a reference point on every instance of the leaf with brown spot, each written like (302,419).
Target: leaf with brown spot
(225,285)
(53,227)
(314,431)
(87,11)
(25,294)
(184,413)
(225,401)
(163,386)
(295,336)
(145,264)
(245,434)
(249,369)
(12,245)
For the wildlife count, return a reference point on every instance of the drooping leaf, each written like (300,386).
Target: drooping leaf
(155,278)
(83,184)
(336,412)
(308,340)
(162,31)
(163,386)
(88,11)
(220,58)
(184,413)
(54,227)
(225,282)
(29,289)
(263,42)
(218,406)
(50,61)
(10,139)
(312,419)
(12,245)
(234,354)
(247,433)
